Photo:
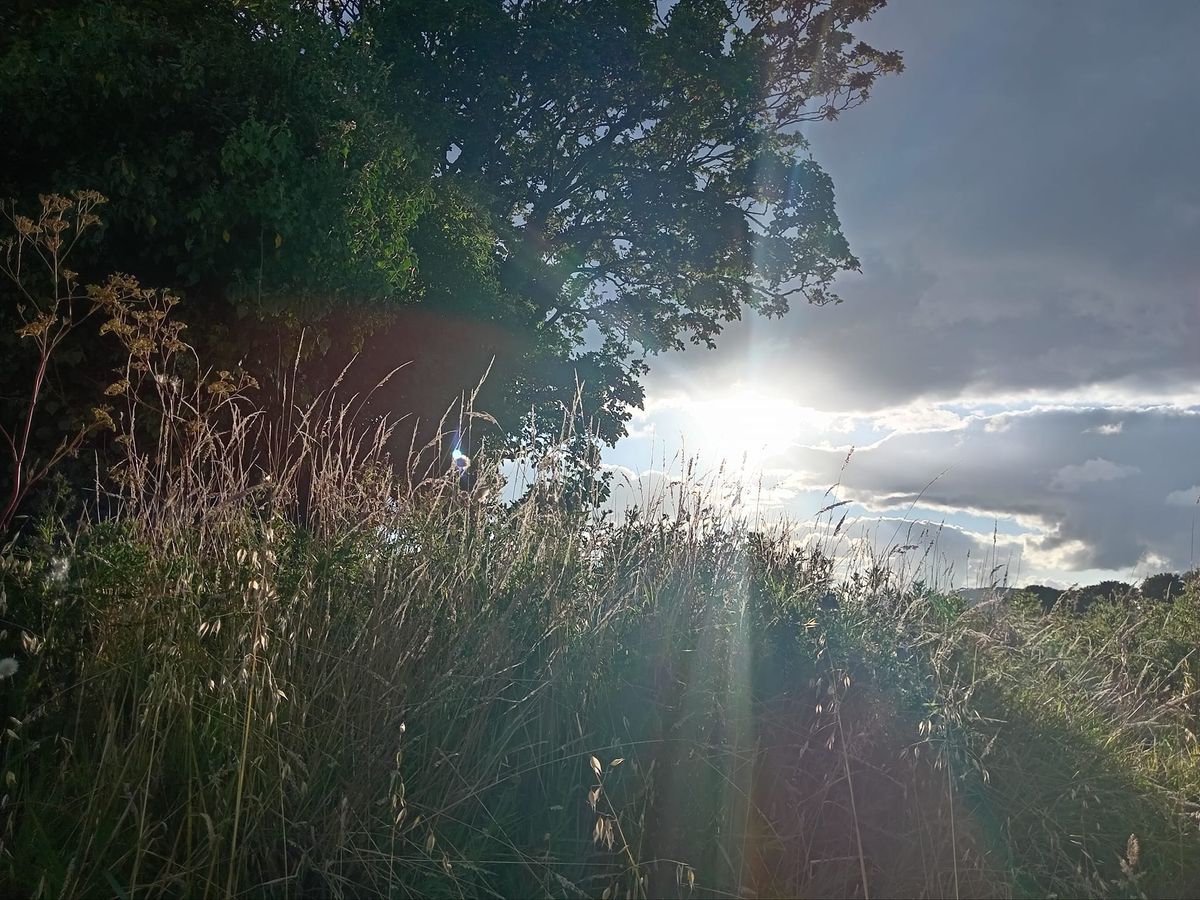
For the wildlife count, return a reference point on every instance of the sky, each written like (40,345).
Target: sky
(1017,366)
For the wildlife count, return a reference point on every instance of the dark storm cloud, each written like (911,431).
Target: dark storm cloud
(1025,204)
(1030,128)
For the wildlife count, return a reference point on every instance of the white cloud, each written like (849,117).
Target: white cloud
(1083,500)
(1105,512)
(641,428)
(915,417)
(1186,497)
(1074,477)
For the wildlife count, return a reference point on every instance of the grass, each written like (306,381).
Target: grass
(432,703)
(270,663)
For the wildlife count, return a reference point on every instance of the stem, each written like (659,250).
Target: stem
(20,486)
(953,831)
(862,864)
(241,779)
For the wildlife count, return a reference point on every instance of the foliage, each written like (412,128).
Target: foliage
(243,151)
(1084,597)
(1045,596)
(1163,586)
(642,169)
(608,181)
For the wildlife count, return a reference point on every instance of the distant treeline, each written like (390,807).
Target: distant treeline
(1163,587)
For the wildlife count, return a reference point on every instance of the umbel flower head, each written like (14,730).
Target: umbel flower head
(8,667)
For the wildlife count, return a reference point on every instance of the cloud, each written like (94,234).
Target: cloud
(918,417)
(1075,477)
(1047,498)
(1186,497)
(1005,249)
(1021,341)
(1080,496)
(910,548)
(1043,471)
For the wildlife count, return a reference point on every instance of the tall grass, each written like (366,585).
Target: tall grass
(270,663)
(419,692)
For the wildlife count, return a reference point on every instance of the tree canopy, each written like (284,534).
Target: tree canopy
(607,180)
(1164,586)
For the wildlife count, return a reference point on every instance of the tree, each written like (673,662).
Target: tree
(1102,592)
(244,148)
(1045,596)
(643,169)
(250,163)
(1164,587)
(608,181)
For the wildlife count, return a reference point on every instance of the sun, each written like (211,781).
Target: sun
(743,424)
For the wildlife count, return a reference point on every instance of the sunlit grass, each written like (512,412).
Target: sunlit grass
(425,692)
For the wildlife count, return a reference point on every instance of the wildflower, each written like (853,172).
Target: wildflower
(8,667)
